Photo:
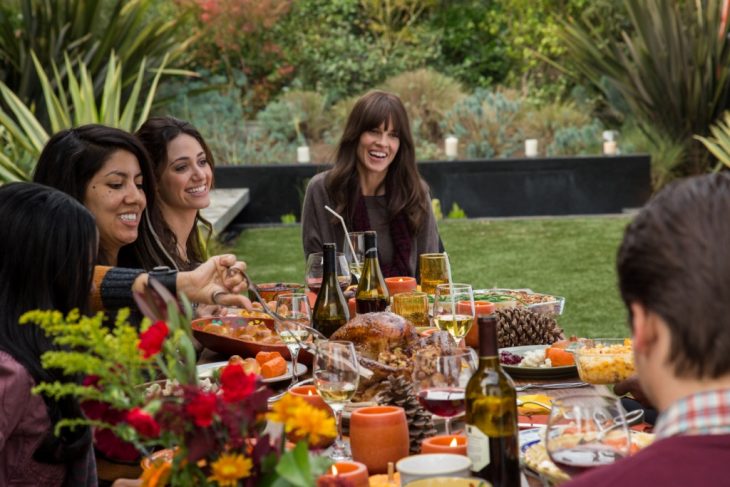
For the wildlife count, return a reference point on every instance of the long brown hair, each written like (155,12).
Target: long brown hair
(404,188)
(72,157)
(155,134)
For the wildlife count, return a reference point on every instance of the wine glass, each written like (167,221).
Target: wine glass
(586,431)
(440,381)
(453,309)
(336,375)
(315,269)
(294,307)
(354,261)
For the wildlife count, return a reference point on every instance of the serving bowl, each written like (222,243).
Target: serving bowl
(604,360)
(429,465)
(270,290)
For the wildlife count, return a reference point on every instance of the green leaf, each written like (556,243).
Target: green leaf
(294,466)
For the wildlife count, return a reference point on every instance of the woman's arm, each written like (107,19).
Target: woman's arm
(316,227)
(219,280)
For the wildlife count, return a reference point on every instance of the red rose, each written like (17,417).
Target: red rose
(150,341)
(236,383)
(143,422)
(201,407)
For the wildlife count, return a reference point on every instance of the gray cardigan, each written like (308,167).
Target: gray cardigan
(317,228)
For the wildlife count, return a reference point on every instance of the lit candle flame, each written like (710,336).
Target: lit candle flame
(400,279)
(453,443)
(334,470)
(309,393)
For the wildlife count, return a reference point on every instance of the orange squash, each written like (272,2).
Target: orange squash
(263,356)
(559,357)
(274,367)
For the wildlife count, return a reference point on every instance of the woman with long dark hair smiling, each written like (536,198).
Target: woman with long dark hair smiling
(374,185)
(47,248)
(183,166)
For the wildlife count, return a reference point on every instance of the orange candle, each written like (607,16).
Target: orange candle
(355,472)
(352,306)
(481,308)
(400,284)
(445,444)
(310,394)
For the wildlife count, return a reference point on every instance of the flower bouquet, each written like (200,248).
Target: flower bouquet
(217,434)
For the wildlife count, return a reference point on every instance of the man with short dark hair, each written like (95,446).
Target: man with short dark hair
(674,276)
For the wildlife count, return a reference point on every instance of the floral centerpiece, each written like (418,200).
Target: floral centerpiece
(217,433)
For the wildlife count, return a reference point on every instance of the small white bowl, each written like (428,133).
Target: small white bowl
(433,465)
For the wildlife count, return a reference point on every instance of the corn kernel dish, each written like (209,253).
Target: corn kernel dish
(605,361)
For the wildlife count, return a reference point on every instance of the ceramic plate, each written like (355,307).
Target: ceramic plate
(536,372)
(206,370)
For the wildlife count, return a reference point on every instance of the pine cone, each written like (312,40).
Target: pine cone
(398,391)
(520,326)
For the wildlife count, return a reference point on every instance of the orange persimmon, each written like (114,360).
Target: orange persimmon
(274,367)
(263,356)
(559,357)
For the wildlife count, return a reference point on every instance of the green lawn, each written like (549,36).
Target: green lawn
(571,257)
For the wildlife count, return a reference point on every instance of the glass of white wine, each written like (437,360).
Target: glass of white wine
(453,309)
(294,307)
(355,260)
(336,375)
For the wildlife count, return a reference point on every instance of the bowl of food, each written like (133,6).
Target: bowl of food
(604,360)
(270,290)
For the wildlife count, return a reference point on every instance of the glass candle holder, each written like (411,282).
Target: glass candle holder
(412,306)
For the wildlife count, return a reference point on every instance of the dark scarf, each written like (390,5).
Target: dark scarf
(400,235)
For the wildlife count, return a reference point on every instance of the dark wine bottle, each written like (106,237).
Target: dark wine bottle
(330,310)
(372,293)
(491,414)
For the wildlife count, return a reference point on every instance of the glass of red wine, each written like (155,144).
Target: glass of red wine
(314,270)
(586,431)
(440,379)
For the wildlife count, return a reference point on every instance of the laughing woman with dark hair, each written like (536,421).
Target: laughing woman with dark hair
(47,248)
(374,185)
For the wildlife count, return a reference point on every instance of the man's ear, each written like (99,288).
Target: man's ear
(644,328)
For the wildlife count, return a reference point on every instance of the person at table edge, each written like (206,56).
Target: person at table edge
(674,277)
(374,185)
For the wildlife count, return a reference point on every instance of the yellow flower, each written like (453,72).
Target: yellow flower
(312,423)
(285,408)
(229,469)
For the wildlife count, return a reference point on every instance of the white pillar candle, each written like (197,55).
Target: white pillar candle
(303,154)
(609,147)
(531,147)
(451,147)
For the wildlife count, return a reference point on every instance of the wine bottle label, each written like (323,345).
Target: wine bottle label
(477,448)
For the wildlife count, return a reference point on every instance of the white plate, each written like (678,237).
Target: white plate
(206,370)
(529,437)
(518,372)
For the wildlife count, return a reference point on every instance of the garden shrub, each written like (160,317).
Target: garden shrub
(297,116)
(427,95)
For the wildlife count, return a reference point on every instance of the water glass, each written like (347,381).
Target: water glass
(412,306)
(433,270)
(355,261)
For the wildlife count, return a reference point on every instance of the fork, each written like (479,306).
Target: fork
(557,385)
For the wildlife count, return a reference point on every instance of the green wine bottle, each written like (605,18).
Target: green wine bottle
(330,309)
(491,414)
(372,293)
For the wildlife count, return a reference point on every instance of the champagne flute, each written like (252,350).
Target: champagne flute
(315,269)
(586,431)
(336,375)
(453,309)
(295,308)
(440,382)
(355,261)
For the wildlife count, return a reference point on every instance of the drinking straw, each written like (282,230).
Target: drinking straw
(451,286)
(347,238)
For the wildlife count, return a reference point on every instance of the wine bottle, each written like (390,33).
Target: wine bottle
(372,294)
(330,309)
(491,414)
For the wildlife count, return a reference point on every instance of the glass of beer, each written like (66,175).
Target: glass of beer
(433,271)
(412,306)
